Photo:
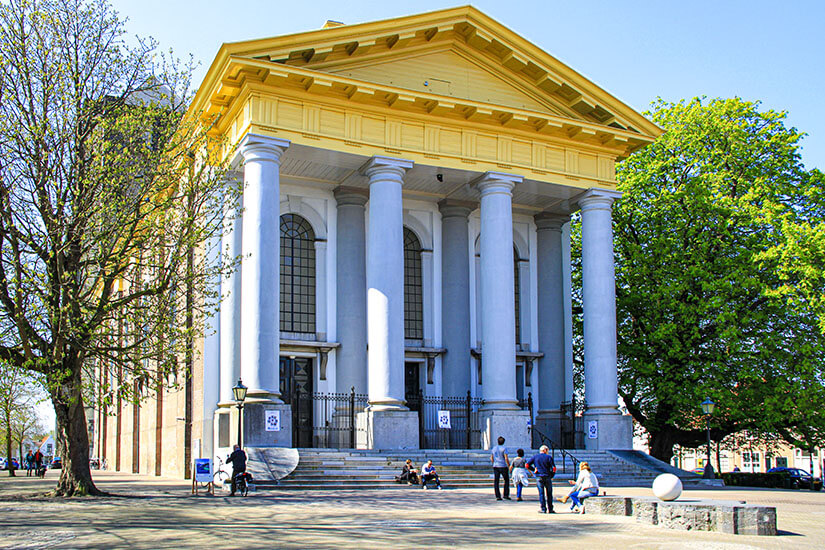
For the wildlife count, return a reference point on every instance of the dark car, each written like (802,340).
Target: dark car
(799,477)
(56,463)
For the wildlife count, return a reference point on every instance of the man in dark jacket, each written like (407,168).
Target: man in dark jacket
(545,468)
(238,461)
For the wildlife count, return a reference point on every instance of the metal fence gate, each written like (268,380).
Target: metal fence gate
(572,424)
(464,430)
(326,420)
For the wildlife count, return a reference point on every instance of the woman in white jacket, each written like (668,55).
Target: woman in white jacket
(587,485)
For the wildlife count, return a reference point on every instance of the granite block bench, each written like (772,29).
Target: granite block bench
(732,517)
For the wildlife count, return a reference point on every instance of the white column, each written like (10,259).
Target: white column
(524,302)
(599,308)
(550,323)
(351,291)
(599,301)
(385,283)
(260,277)
(230,317)
(321,290)
(455,296)
(498,338)
(427,294)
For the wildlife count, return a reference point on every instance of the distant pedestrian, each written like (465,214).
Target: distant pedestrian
(29,463)
(428,473)
(38,463)
(545,469)
(519,473)
(501,464)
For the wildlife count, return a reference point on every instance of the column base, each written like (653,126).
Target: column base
(387,429)
(509,424)
(612,431)
(549,424)
(255,432)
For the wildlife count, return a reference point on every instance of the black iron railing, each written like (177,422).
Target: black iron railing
(464,431)
(326,420)
(560,456)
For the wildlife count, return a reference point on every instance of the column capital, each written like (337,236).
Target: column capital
(496,182)
(597,199)
(455,209)
(262,148)
(379,165)
(548,220)
(350,196)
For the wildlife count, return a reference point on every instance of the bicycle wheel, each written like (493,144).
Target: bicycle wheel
(243,486)
(220,479)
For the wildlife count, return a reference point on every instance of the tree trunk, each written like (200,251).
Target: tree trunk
(76,476)
(9,445)
(661,444)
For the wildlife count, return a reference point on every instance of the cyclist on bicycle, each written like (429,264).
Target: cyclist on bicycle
(238,461)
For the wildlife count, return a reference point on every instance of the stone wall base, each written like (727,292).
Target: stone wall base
(613,431)
(255,433)
(387,430)
(510,424)
(735,518)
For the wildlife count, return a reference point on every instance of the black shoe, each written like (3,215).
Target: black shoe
(507,498)
(551,512)
(498,498)
(518,499)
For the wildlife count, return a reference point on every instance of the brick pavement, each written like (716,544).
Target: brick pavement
(161,513)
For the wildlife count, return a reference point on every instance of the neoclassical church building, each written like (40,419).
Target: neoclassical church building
(404,229)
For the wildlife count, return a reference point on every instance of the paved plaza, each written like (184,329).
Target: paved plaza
(161,513)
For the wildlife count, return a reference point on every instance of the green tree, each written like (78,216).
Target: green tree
(18,395)
(709,300)
(106,195)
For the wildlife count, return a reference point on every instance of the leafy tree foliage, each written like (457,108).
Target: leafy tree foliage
(105,195)
(711,298)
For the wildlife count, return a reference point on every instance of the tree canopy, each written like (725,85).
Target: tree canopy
(712,298)
(107,203)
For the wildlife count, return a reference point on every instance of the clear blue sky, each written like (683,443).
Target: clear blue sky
(636,49)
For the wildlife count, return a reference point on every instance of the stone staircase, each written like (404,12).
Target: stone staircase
(332,469)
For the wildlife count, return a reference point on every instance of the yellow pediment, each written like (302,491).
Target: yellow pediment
(447,73)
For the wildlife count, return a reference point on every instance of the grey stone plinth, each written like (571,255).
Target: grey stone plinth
(387,430)
(615,431)
(549,423)
(609,506)
(254,419)
(736,518)
(510,424)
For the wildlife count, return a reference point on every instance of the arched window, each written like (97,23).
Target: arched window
(413,295)
(297,275)
(517,287)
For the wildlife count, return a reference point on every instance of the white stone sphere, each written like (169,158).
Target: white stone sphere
(667,487)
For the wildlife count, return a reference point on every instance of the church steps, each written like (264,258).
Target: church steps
(373,469)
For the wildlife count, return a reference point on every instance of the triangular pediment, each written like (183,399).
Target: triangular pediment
(451,74)
(517,73)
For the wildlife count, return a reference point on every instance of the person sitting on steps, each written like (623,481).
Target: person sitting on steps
(428,473)
(408,474)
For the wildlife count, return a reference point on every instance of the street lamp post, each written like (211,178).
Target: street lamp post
(239,391)
(707,409)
